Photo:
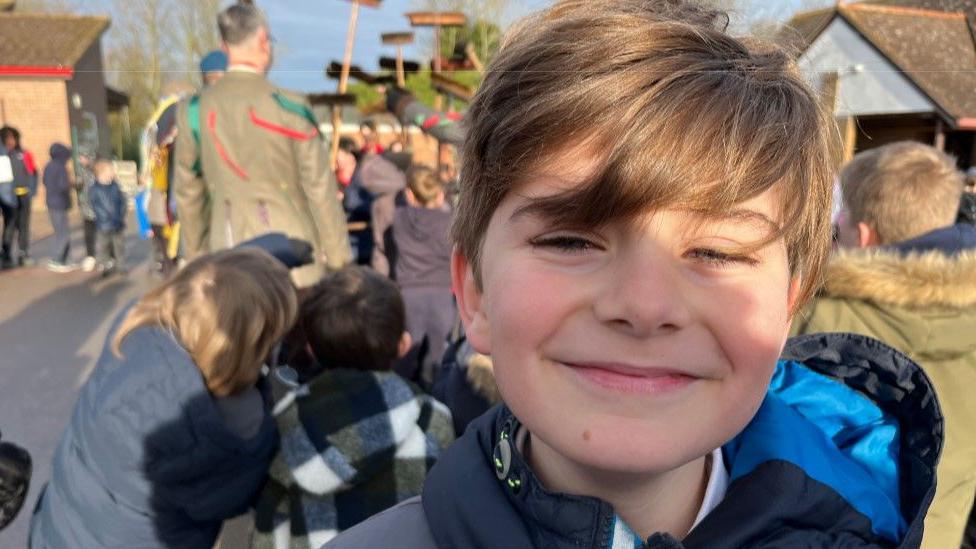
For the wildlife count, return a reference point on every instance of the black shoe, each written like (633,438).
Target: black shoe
(6,263)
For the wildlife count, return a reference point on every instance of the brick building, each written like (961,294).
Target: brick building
(52,82)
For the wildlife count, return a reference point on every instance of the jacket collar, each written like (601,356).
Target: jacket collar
(503,504)
(949,240)
(511,508)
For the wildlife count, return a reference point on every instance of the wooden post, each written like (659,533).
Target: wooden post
(398,39)
(402,82)
(343,82)
(401,77)
(831,90)
(850,137)
(437,48)
(437,20)
(472,56)
(940,136)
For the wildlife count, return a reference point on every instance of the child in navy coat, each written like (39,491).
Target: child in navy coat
(110,205)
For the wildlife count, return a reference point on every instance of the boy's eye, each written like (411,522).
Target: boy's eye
(564,243)
(718,258)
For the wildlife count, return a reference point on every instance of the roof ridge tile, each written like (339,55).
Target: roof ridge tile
(902,10)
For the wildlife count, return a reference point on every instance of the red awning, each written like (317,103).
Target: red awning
(50,72)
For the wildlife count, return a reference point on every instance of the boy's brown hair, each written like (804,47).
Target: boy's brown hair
(424,184)
(354,318)
(902,190)
(679,114)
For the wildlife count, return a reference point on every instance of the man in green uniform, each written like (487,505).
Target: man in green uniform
(264,162)
(185,159)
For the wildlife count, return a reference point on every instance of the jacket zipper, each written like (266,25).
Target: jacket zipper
(606,523)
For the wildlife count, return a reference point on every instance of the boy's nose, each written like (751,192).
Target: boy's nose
(643,295)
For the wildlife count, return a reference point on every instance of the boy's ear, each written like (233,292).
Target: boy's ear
(793,293)
(867,236)
(403,347)
(470,304)
(411,198)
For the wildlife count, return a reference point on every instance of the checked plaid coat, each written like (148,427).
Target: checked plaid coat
(353,443)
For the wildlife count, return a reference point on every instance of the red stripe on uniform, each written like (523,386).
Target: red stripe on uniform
(431,122)
(287,132)
(212,127)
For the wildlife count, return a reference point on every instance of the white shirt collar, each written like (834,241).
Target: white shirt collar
(243,68)
(718,483)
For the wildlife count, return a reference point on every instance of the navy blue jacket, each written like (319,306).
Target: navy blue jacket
(110,206)
(951,240)
(841,453)
(967,208)
(147,460)
(56,180)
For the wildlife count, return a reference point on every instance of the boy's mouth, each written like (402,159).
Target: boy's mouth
(632,379)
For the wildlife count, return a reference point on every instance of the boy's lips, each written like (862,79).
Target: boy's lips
(632,379)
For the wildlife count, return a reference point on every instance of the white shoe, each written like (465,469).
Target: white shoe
(56,267)
(88,264)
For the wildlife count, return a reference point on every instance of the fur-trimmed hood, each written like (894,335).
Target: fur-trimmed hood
(915,280)
(922,301)
(482,377)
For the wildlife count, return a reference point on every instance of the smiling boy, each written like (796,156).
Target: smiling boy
(644,204)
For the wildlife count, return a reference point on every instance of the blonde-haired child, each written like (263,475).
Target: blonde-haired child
(110,206)
(171,433)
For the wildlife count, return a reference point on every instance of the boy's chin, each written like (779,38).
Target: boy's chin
(631,447)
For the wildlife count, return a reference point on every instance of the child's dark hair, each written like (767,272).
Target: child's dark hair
(15,475)
(9,131)
(348,144)
(354,318)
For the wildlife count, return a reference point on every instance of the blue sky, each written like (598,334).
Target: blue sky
(310,33)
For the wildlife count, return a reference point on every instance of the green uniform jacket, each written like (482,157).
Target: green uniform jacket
(187,171)
(265,168)
(925,306)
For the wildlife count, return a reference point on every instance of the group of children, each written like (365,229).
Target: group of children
(104,210)
(630,248)
(403,214)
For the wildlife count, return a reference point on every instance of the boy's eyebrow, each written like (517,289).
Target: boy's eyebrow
(745,216)
(536,207)
(545,206)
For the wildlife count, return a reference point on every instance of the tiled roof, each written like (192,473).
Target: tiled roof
(45,40)
(805,27)
(934,48)
(965,6)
